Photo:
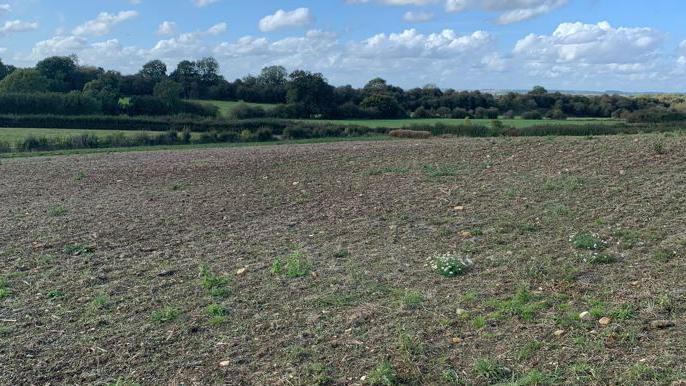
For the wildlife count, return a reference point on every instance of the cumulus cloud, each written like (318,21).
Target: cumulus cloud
(166,28)
(103,24)
(13,26)
(4,8)
(418,17)
(412,44)
(591,43)
(281,19)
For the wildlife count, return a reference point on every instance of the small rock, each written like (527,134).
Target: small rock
(296,183)
(604,321)
(466,234)
(461,311)
(241,271)
(622,172)
(661,324)
(459,208)
(635,283)
(224,363)
(559,333)
(456,340)
(585,316)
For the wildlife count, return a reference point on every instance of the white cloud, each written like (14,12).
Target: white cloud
(512,11)
(5,8)
(412,44)
(203,3)
(216,29)
(591,43)
(296,18)
(418,17)
(166,28)
(13,26)
(103,24)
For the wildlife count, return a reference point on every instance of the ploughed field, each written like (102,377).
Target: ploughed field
(312,264)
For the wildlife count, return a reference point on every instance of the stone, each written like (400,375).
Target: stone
(224,363)
(585,316)
(241,271)
(559,333)
(604,321)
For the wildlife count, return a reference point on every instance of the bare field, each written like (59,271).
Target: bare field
(307,264)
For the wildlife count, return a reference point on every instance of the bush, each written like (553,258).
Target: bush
(459,113)
(410,134)
(655,115)
(73,103)
(421,113)
(245,111)
(532,115)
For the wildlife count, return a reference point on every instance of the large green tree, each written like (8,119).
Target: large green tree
(310,92)
(25,81)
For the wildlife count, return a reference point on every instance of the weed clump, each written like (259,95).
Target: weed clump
(165,314)
(215,285)
(293,266)
(450,264)
(383,375)
(588,241)
(492,371)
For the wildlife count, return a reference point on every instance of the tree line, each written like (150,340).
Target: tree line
(59,85)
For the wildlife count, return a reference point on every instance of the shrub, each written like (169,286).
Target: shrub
(410,134)
(245,111)
(450,265)
(383,375)
(587,240)
(535,115)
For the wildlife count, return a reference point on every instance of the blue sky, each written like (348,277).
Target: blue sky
(631,45)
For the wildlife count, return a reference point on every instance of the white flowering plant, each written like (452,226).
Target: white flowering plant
(450,264)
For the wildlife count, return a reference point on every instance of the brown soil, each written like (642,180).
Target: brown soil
(91,246)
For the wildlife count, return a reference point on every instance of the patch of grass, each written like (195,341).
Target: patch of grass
(165,314)
(659,147)
(215,285)
(217,313)
(528,350)
(99,302)
(602,258)
(294,266)
(78,249)
(664,255)
(565,183)
(315,374)
(57,210)
(524,304)
(587,240)
(387,170)
(536,378)
(440,170)
(4,290)
(450,264)
(627,238)
(383,375)
(412,299)
(54,294)
(341,253)
(491,371)
(479,322)
(582,372)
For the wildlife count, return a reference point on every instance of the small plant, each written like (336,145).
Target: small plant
(79,176)
(450,264)
(294,266)
(99,302)
(412,299)
(492,371)
(664,255)
(479,322)
(528,350)
(659,148)
(440,170)
(383,375)
(341,253)
(78,249)
(4,291)
(165,314)
(218,314)
(53,294)
(602,258)
(215,285)
(57,210)
(588,240)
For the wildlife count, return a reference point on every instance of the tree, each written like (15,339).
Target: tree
(5,70)
(383,106)
(154,71)
(60,70)
(25,81)
(273,76)
(208,70)
(310,92)
(188,76)
(168,90)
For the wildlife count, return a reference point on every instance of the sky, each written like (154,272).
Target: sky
(595,45)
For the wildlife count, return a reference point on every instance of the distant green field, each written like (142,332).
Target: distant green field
(518,123)
(225,107)
(13,135)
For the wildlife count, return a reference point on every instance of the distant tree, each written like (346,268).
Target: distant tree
(5,70)
(60,70)
(188,75)
(168,90)
(208,70)
(25,81)
(273,76)
(311,92)
(383,106)
(154,71)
